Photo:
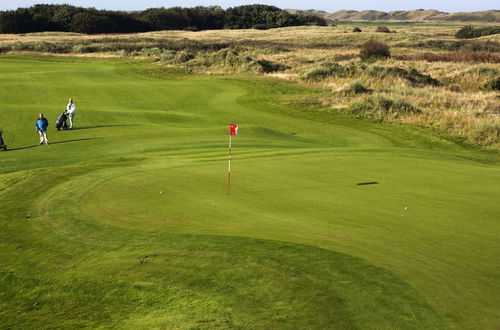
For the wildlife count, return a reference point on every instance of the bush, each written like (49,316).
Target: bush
(356,29)
(232,58)
(462,56)
(374,49)
(383,29)
(492,85)
(323,71)
(357,88)
(168,55)
(38,46)
(264,66)
(184,56)
(381,108)
(225,57)
(413,76)
(91,48)
(484,71)
(454,45)
(468,32)
(151,52)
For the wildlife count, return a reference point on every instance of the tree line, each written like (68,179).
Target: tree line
(68,18)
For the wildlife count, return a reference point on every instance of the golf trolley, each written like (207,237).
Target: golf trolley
(3,146)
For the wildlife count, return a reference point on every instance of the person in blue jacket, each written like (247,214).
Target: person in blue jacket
(41,128)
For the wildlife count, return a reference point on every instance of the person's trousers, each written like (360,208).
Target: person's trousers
(71,116)
(43,137)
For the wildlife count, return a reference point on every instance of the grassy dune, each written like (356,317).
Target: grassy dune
(125,222)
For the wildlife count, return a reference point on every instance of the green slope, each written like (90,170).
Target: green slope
(125,222)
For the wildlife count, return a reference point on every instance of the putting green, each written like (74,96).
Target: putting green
(331,223)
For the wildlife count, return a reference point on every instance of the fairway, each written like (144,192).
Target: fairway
(332,222)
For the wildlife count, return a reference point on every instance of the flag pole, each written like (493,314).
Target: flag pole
(229,168)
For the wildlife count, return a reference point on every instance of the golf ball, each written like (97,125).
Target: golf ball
(406,208)
(161,192)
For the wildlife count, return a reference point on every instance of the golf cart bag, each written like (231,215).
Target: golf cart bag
(61,122)
(3,146)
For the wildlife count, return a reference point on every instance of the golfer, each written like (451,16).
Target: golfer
(41,127)
(70,108)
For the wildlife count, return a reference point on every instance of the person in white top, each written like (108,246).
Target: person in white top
(70,108)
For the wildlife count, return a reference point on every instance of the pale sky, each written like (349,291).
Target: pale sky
(330,6)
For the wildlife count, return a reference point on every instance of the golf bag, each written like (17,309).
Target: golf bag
(61,122)
(3,146)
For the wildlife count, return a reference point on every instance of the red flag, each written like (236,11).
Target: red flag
(233,129)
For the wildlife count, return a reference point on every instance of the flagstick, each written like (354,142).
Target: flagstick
(229,168)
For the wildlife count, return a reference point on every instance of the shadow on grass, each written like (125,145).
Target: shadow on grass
(98,126)
(52,143)
(366,183)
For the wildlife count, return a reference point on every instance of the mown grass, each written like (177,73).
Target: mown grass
(88,240)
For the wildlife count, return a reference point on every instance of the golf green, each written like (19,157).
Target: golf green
(125,221)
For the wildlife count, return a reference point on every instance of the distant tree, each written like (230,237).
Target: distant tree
(311,20)
(62,16)
(18,21)
(206,18)
(91,23)
(246,17)
(166,19)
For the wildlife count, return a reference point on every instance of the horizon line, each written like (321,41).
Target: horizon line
(226,7)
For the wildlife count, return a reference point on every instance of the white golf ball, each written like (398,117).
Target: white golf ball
(161,192)
(406,208)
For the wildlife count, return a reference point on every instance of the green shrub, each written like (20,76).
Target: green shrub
(264,66)
(92,48)
(468,32)
(324,71)
(460,56)
(168,55)
(381,108)
(413,76)
(227,57)
(260,27)
(151,52)
(356,29)
(492,85)
(357,88)
(374,49)
(454,45)
(184,56)
(484,70)
(38,46)
(231,57)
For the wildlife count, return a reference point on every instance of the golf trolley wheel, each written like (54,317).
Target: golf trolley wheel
(4,148)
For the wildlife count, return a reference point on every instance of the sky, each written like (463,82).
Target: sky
(327,5)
